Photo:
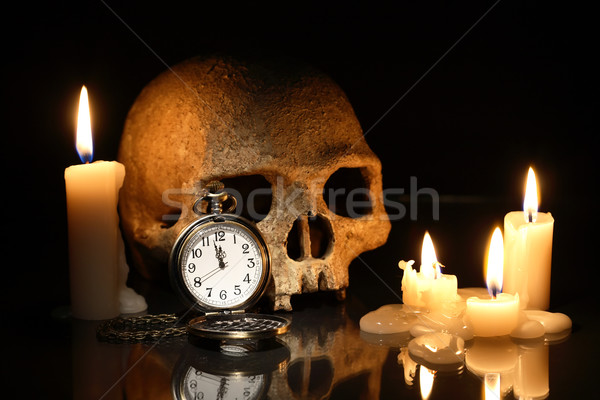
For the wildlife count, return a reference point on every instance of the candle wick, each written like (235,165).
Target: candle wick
(436,267)
(530,216)
(494,292)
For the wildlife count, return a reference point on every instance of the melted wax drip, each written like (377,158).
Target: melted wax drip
(451,325)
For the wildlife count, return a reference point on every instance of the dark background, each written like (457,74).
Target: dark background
(517,90)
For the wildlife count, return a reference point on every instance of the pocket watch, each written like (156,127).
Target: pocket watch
(220,266)
(204,373)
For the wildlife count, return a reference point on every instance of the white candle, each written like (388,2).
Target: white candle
(499,314)
(528,251)
(428,288)
(92,196)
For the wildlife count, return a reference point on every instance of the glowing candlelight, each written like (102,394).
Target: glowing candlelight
(528,250)
(426,378)
(84,143)
(530,202)
(92,195)
(495,264)
(492,386)
(499,314)
(428,288)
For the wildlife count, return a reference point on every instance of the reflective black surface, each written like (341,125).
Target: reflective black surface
(462,108)
(323,356)
(329,357)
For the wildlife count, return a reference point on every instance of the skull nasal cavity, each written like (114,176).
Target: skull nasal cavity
(309,237)
(347,193)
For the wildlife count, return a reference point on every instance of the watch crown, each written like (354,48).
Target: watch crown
(213,199)
(215,187)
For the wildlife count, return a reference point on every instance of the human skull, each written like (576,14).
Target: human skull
(216,118)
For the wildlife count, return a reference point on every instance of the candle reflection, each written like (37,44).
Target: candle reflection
(531,376)
(410,365)
(426,378)
(493,355)
(491,384)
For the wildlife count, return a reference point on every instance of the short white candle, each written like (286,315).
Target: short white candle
(528,251)
(428,288)
(92,197)
(499,314)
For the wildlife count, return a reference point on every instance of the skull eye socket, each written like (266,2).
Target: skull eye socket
(347,193)
(170,218)
(253,194)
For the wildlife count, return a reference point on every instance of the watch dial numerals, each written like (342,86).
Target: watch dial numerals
(222,265)
(196,253)
(219,236)
(200,385)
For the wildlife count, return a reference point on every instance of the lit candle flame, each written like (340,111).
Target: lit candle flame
(426,377)
(530,203)
(429,264)
(85,147)
(492,386)
(495,264)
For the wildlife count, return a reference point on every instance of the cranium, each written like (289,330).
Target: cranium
(216,118)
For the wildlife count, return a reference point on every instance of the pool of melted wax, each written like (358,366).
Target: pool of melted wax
(399,318)
(449,320)
(389,319)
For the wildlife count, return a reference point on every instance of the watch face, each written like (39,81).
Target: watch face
(199,385)
(221,264)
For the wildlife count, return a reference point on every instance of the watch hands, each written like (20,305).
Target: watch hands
(222,391)
(220,255)
(210,274)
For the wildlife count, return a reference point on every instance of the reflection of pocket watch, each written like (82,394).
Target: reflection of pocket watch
(202,373)
(220,265)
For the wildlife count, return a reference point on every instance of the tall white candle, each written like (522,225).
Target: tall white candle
(92,196)
(528,251)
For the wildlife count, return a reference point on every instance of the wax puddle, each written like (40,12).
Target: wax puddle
(439,337)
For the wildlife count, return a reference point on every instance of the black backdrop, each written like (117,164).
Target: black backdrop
(471,94)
